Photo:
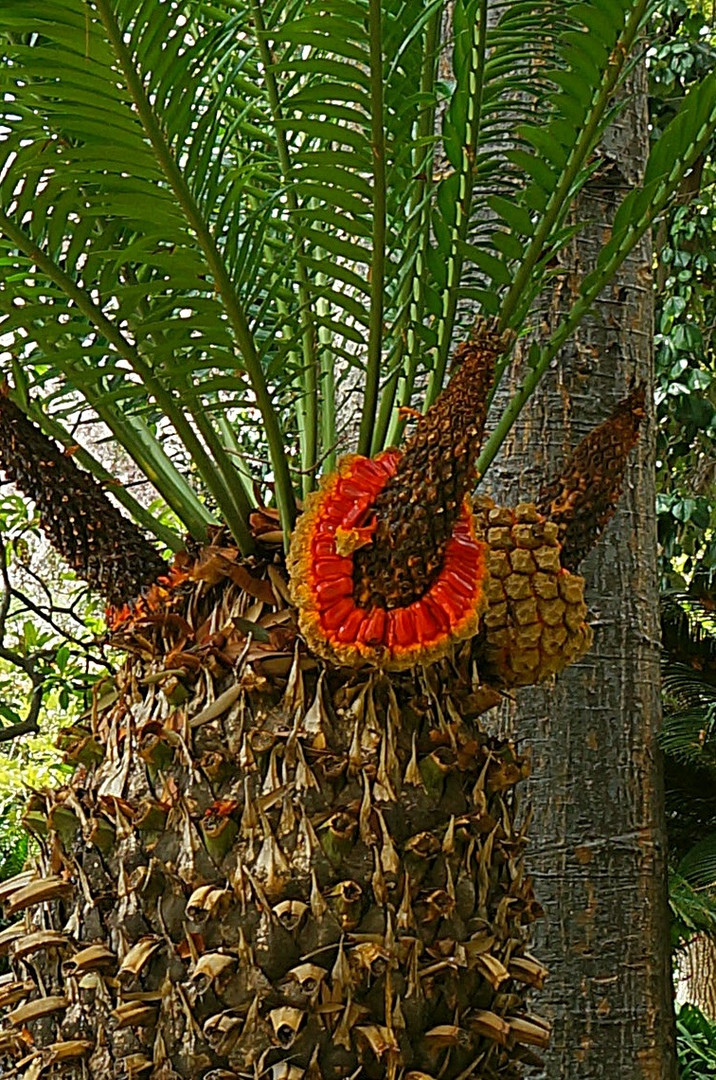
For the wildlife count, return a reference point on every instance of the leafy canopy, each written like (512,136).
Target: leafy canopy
(219,220)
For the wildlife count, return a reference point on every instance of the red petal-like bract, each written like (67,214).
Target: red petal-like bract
(335,522)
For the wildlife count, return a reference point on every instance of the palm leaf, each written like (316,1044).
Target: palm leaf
(356,151)
(243,208)
(689,731)
(135,209)
(693,911)
(698,866)
(671,157)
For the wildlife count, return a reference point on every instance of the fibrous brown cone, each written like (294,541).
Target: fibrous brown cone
(583,499)
(417,509)
(534,625)
(104,547)
(267,867)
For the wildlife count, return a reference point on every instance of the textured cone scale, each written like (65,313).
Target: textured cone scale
(284,870)
(583,499)
(534,625)
(102,546)
(415,512)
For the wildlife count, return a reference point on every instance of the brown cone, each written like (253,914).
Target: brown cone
(99,543)
(534,625)
(417,509)
(583,499)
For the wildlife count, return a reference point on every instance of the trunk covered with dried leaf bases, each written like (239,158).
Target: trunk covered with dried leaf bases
(289,848)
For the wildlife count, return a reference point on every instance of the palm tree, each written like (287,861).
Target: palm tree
(297,854)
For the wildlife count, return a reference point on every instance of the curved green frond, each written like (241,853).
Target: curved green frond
(693,910)
(245,208)
(98,190)
(672,155)
(689,731)
(698,866)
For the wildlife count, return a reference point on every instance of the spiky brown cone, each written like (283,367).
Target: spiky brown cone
(417,509)
(583,499)
(269,867)
(102,546)
(535,624)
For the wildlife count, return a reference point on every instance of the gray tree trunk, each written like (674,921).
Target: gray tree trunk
(598,834)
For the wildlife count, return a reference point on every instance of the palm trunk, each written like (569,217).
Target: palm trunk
(598,852)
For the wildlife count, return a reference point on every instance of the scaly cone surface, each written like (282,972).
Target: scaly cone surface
(535,622)
(102,546)
(583,499)
(385,563)
(416,511)
(271,867)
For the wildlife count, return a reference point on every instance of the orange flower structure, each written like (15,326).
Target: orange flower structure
(386,566)
(337,520)
(152,600)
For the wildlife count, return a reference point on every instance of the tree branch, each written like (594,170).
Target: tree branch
(29,725)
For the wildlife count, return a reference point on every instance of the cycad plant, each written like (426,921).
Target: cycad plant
(248,237)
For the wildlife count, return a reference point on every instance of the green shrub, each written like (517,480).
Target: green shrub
(695,1044)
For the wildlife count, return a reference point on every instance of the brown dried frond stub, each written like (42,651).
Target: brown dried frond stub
(354,904)
(416,511)
(100,544)
(583,499)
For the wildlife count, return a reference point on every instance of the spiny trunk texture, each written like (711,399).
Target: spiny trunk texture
(598,830)
(266,866)
(102,545)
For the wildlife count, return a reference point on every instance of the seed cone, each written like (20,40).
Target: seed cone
(385,565)
(265,866)
(583,499)
(95,539)
(322,579)
(534,625)
(416,511)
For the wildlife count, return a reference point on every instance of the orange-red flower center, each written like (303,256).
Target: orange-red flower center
(343,522)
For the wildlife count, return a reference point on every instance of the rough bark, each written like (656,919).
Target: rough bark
(598,850)
(696,974)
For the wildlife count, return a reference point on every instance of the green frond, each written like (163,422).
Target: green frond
(698,866)
(671,157)
(693,911)
(105,191)
(243,208)
(688,616)
(688,734)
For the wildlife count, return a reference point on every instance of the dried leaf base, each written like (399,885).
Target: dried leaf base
(268,867)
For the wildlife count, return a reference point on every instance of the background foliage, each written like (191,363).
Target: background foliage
(50,658)
(684,48)
(696,1044)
